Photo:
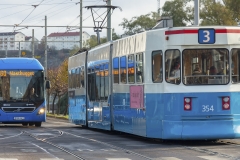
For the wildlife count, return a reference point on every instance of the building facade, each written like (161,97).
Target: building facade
(12,41)
(66,40)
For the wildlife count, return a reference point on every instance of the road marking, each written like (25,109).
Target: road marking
(50,159)
(8,159)
(85,150)
(118,159)
(169,158)
(213,157)
(43,134)
(28,150)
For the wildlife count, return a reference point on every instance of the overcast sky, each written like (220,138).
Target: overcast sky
(66,13)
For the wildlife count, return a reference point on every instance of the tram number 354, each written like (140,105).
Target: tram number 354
(207,108)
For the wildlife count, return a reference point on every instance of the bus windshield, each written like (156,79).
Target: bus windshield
(21,85)
(205,66)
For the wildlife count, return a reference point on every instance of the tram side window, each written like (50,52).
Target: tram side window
(235,64)
(106,85)
(157,75)
(139,68)
(123,69)
(102,82)
(73,78)
(82,77)
(69,79)
(97,82)
(78,77)
(131,77)
(116,70)
(91,84)
(172,66)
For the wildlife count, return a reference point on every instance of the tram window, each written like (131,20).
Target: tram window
(73,78)
(82,77)
(69,79)
(235,64)
(91,86)
(97,82)
(116,70)
(131,77)
(157,75)
(123,69)
(172,66)
(205,66)
(102,82)
(106,85)
(78,77)
(139,68)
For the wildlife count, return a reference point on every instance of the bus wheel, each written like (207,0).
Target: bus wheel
(38,124)
(25,124)
(31,124)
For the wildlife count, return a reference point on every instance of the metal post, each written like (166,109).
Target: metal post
(33,43)
(19,50)
(46,47)
(109,27)
(196,12)
(80,32)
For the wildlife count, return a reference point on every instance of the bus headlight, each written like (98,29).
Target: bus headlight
(41,111)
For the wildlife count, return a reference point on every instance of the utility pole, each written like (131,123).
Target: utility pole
(80,32)
(33,43)
(109,18)
(159,8)
(196,12)
(45,47)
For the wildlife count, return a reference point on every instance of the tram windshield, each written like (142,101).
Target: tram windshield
(21,86)
(205,66)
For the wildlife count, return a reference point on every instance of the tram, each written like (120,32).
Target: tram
(169,83)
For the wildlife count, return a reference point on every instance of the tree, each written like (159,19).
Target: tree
(217,13)
(138,24)
(181,12)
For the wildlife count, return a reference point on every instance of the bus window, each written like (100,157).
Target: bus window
(235,65)
(205,66)
(157,66)
(116,70)
(77,77)
(172,66)
(123,69)
(139,68)
(131,77)
(73,78)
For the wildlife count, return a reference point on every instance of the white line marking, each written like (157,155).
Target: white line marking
(212,158)
(169,158)
(8,159)
(118,159)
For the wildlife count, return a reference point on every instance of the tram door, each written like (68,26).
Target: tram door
(98,91)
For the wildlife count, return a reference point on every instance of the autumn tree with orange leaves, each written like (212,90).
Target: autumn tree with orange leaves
(59,83)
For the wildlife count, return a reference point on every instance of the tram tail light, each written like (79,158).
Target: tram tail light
(187,104)
(226,103)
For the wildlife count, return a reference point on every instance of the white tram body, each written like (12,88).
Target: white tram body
(169,83)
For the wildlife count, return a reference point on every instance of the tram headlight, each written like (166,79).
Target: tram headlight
(226,103)
(41,111)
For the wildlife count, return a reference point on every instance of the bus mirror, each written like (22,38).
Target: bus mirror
(48,85)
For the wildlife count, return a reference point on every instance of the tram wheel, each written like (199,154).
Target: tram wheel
(31,124)
(25,124)
(38,124)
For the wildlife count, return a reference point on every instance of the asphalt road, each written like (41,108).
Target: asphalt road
(59,140)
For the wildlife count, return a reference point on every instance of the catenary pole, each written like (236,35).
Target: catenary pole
(109,27)
(45,47)
(32,43)
(80,32)
(196,12)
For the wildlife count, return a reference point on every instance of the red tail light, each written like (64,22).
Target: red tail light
(187,104)
(226,103)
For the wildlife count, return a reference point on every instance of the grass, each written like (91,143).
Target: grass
(57,116)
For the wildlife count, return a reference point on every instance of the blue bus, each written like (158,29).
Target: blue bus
(22,98)
(168,83)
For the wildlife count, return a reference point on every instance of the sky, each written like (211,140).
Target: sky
(66,13)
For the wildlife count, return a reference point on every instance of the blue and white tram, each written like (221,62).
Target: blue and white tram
(169,83)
